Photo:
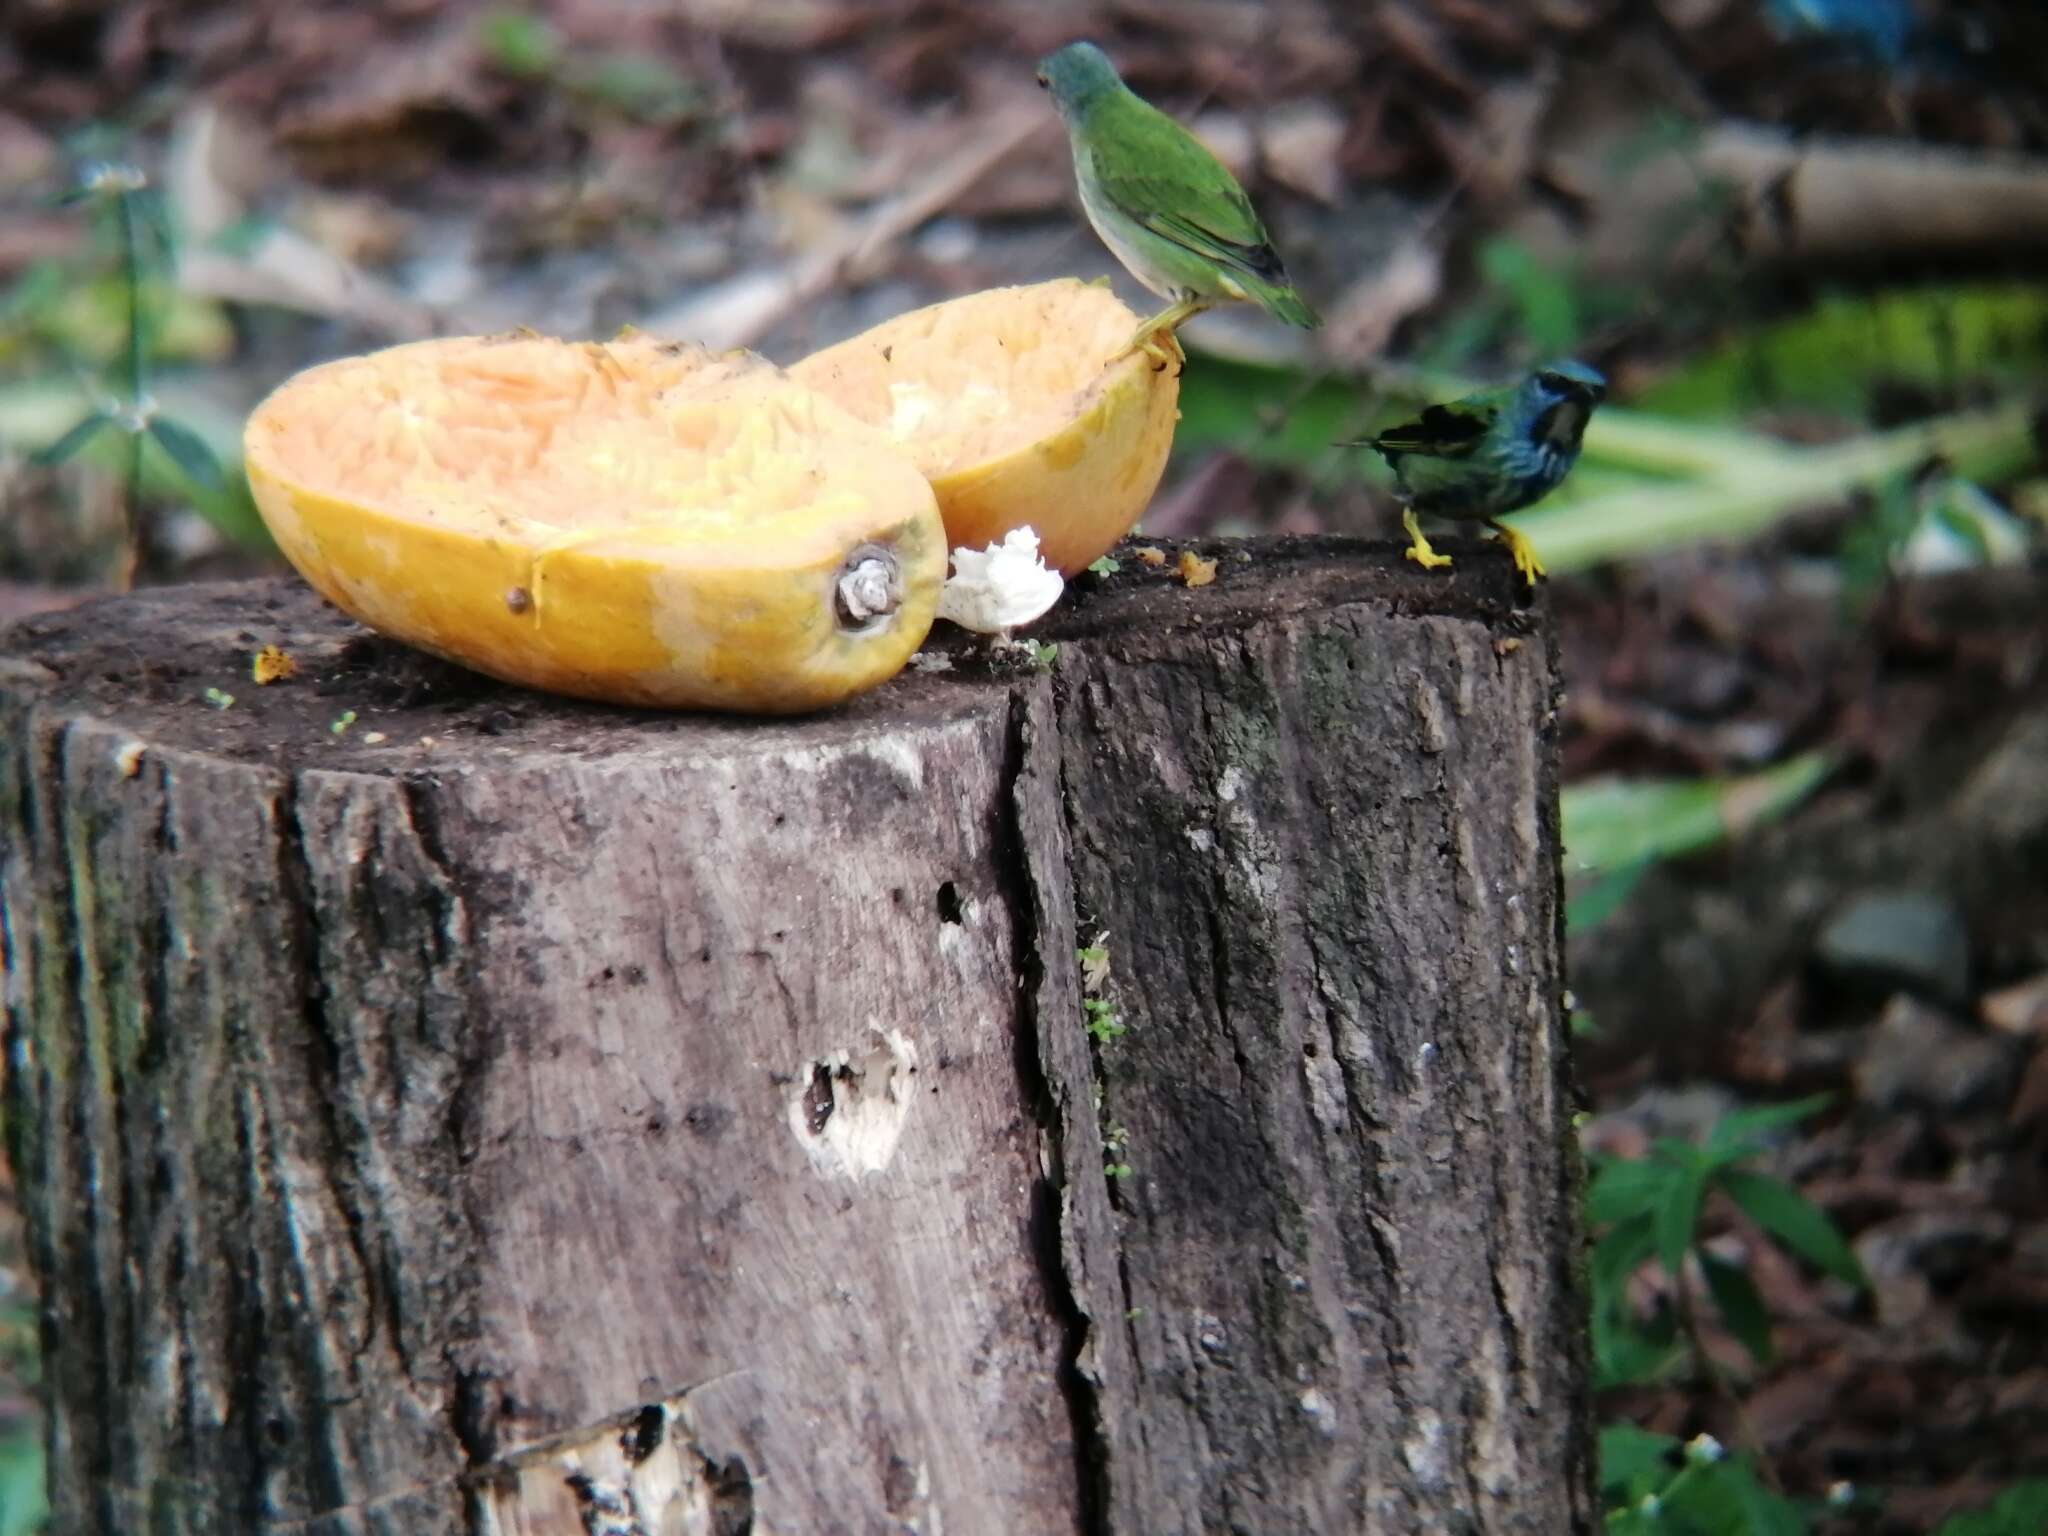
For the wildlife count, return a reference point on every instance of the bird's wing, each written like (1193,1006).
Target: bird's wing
(1158,174)
(1442,431)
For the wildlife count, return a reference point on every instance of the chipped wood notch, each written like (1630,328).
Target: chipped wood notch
(638,1473)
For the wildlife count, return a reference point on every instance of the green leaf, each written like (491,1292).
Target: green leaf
(518,43)
(1681,1154)
(2022,1510)
(1544,297)
(1620,1254)
(1744,1131)
(23,1506)
(35,413)
(1760,1512)
(1801,1226)
(1678,1219)
(1614,823)
(1625,1353)
(1604,896)
(1634,1462)
(643,88)
(74,440)
(1827,358)
(1584,526)
(189,452)
(1724,1498)
(1741,1307)
(1628,1186)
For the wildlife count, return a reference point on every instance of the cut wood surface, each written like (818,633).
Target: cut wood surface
(442,1108)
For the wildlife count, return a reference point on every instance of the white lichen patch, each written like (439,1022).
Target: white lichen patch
(1425,1452)
(1319,1410)
(847,1109)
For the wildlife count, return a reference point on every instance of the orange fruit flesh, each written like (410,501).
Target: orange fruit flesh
(632,521)
(1019,408)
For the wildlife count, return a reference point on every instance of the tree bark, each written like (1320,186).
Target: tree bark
(440,1108)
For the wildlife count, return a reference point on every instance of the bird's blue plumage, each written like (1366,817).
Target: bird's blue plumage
(1495,452)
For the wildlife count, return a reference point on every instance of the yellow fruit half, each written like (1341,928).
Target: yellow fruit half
(1016,405)
(632,521)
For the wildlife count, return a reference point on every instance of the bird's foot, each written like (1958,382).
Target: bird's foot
(1159,344)
(1156,338)
(1420,550)
(1521,550)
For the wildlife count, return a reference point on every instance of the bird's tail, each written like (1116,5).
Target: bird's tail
(1282,302)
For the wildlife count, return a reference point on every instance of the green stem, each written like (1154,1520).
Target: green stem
(1718,1383)
(1621,1519)
(131,271)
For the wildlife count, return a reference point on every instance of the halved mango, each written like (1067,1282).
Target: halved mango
(1016,405)
(632,521)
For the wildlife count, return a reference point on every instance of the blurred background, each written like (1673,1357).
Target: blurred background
(1798,576)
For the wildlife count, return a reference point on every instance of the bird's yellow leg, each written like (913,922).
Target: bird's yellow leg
(1167,321)
(1419,548)
(1520,548)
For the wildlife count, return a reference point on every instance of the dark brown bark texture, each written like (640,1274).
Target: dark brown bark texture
(488,1113)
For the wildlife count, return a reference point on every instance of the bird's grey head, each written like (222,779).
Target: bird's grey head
(1077,75)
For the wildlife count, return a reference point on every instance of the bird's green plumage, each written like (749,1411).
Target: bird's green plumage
(1447,431)
(1159,199)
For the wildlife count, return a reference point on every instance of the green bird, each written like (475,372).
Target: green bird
(1489,454)
(1162,203)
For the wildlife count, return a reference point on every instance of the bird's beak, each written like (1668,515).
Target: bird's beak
(1043,83)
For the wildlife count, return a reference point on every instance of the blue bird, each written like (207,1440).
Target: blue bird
(1491,453)
(1882,30)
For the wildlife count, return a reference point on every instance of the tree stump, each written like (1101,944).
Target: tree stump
(440,1108)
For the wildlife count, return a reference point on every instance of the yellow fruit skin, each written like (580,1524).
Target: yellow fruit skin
(608,619)
(1082,487)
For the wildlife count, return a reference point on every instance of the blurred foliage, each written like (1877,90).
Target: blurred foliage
(2022,1510)
(35,415)
(1652,1482)
(118,324)
(1651,1207)
(22,1503)
(53,315)
(636,86)
(1613,823)
(23,1506)
(1616,829)
(1833,356)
